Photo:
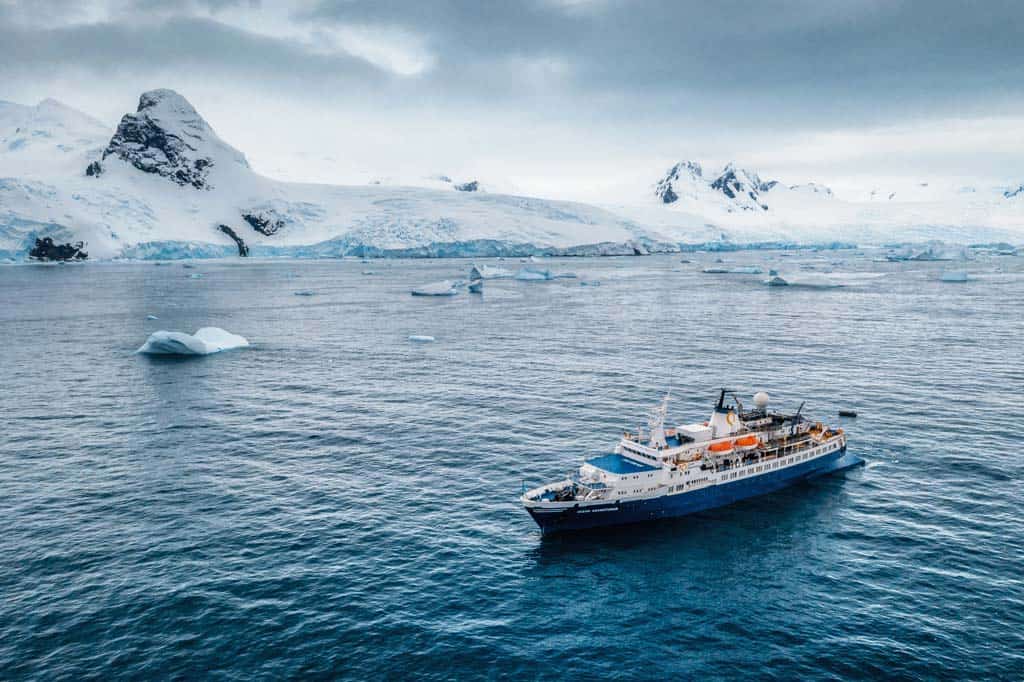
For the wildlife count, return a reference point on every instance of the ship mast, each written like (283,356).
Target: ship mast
(656,423)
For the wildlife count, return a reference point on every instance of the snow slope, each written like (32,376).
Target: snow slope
(738,205)
(164,184)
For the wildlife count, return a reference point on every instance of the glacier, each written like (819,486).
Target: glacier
(162,185)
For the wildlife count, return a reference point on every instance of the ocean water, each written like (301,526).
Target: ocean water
(335,501)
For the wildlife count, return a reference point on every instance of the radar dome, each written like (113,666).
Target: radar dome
(761,400)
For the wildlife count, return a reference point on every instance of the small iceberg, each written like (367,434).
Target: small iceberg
(489,272)
(533,275)
(421,338)
(204,342)
(807,282)
(444,288)
(195,275)
(740,270)
(369,272)
(152,317)
(305,293)
(954,276)
(188,266)
(476,286)
(594,283)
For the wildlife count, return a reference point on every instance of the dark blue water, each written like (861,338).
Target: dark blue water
(338,502)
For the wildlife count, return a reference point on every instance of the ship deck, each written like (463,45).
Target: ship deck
(617,464)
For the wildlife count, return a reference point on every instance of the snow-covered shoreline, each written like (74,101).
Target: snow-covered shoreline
(164,186)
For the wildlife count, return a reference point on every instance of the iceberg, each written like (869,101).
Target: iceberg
(954,276)
(807,282)
(476,286)
(204,342)
(488,272)
(444,288)
(533,275)
(305,293)
(152,317)
(421,338)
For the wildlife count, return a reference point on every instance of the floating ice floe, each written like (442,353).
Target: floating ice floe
(954,276)
(740,270)
(188,266)
(204,342)
(476,286)
(369,272)
(594,283)
(533,275)
(195,275)
(444,288)
(489,272)
(421,338)
(152,317)
(305,293)
(806,282)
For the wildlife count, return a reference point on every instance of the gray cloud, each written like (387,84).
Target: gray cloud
(661,76)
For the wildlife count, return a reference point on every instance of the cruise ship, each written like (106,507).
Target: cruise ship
(736,454)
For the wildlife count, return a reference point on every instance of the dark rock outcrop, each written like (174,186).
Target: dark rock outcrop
(46,250)
(264,223)
(167,137)
(471,186)
(243,250)
(94,169)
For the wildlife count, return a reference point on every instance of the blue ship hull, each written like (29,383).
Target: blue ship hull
(668,506)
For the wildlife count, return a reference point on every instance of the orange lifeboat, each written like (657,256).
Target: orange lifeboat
(747,442)
(719,448)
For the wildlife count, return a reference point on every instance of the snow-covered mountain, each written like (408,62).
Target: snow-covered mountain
(730,189)
(164,184)
(743,207)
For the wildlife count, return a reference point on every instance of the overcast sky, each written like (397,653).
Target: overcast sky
(554,97)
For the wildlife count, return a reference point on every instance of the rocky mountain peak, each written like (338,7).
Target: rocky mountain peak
(167,136)
(742,185)
(682,172)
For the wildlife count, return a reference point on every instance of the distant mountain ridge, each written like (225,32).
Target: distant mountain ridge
(732,188)
(163,184)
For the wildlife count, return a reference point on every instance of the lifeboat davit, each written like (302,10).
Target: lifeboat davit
(747,443)
(720,448)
